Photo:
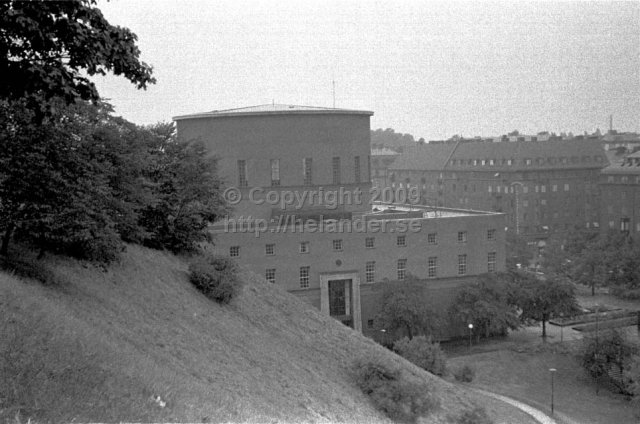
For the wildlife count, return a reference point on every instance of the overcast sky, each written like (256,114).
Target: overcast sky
(425,68)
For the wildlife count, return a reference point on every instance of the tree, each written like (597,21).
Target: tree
(404,310)
(487,306)
(54,190)
(543,299)
(611,354)
(57,157)
(47,48)
(187,193)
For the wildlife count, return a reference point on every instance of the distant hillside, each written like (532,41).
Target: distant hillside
(99,345)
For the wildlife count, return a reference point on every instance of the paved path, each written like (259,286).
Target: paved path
(537,414)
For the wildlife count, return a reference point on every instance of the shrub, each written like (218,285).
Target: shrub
(216,277)
(466,374)
(24,264)
(477,415)
(399,399)
(423,352)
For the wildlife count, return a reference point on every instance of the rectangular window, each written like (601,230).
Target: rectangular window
(462,264)
(304,247)
(369,323)
(554,187)
(242,173)
(432,267)
(370,242)
(275,172)
(234,251)
(370,272)
(336,169)
(432,238)
(304,277)
(624,224)
(306,171)
(566,187)
(270,249)
(462,236)
(337,245)
(543,188)
(401,241)
(491,262)
(402,269)
(356,168)
(270,275)
(491,235)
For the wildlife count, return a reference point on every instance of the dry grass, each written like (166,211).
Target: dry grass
(99,345)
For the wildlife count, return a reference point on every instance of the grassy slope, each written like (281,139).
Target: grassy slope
(99,344)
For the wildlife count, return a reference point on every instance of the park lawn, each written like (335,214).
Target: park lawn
(526,377)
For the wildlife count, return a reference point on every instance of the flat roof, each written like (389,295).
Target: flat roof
(273,109)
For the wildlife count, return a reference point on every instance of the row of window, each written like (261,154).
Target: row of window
(401,270)
(525,188)
(369,243)
(624,179)
(307,171)
(563,160)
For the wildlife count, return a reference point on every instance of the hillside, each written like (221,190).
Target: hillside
(98,345)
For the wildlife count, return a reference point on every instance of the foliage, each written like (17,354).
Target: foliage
(392,394)
(609,354)
(187,195)
(487,306)
(404,310)
(216,277)
(423,352)
(595,259)
(81,181)
(47,50)
(477,415)
(54,183)
(465,373)
(391,139)
(543,299)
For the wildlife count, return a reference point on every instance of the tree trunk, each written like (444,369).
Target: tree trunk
(593,288)
(409,332)
(544,329)
(4,250)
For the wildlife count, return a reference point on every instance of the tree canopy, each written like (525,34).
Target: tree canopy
(46,48)
(487,305)
(404,310)
(73,178)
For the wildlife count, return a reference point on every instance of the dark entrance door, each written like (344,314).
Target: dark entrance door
(340,300)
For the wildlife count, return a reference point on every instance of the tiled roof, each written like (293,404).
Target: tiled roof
(541,155)
(428,156)
(273,109)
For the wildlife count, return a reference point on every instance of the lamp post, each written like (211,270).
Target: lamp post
(470,330)
(552,371)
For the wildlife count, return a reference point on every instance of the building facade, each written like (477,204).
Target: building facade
(334,242)
(620,191)
(542,187)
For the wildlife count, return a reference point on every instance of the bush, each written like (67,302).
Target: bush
(399,399)
(216,277)
(466,374)
(27,267)
(423,352)
(477,415)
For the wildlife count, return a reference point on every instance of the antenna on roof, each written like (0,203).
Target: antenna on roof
(334,93)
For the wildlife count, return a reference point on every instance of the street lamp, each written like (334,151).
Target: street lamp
(470,330)
(552,371)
